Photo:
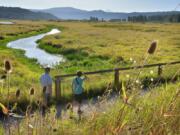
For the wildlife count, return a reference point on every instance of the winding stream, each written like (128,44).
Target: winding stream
(6,23)
(29,45)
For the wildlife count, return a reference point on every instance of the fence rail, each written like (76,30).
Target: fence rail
(116,74)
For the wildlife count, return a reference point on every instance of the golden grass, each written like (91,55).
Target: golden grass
(107,45)
(116,40)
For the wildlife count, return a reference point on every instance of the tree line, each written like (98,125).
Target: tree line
(155,18)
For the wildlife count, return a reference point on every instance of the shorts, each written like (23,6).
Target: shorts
(47,98)
(78,97)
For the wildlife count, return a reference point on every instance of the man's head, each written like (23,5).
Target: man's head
(79,73)
(47,70)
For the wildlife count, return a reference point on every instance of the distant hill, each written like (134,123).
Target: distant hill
(78,14)
(20,13)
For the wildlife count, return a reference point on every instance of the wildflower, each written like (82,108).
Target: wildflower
(152,47)
(151,72)
(127,76)
(131,59)
(152,79)
(134,62)
(7,66)
(137,81)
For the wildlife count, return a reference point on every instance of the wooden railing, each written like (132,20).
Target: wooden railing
(58,78)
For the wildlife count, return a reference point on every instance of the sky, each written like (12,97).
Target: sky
(107,5)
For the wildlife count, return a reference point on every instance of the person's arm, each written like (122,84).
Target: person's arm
(85,78)
(40,79)
(72,86)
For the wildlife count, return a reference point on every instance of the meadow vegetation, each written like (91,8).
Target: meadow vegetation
(93,46)
(90,46)
(155,112)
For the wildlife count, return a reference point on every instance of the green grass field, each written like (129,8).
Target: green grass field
(90,46)
(93,46)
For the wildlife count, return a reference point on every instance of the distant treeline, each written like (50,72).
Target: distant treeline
(156,18)
(144,18)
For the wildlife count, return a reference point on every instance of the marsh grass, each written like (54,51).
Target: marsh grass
(153,113)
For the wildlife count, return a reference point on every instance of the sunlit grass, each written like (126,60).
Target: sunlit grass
(156,112)
(88,47)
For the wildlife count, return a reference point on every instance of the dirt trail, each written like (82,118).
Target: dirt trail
(97,104)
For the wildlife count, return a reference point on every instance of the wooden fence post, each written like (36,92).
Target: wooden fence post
(116,80)
(159,70)
(58,87)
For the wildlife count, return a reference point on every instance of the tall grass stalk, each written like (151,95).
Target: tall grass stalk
(8,69)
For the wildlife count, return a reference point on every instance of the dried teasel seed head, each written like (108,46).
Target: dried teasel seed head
(3,77)
(18,92)
(69,106)
(152,47)
(7,66)
(54,130)
(31,91)
(38,102)
(44,89)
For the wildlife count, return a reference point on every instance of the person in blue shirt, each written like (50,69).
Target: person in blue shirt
(77,89)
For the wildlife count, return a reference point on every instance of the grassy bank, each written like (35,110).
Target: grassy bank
(25,73)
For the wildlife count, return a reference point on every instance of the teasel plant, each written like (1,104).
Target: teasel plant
(18,93)
(2,79)
(29,111)
(31,93)
(8,70)
(150,51)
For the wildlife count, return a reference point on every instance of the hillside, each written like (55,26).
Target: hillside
(78,14)
(20,13)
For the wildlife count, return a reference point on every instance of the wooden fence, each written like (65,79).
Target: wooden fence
(58,78)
